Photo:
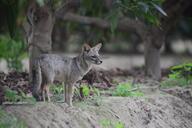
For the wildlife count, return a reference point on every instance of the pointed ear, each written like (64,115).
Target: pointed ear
(97,47)
(86,48)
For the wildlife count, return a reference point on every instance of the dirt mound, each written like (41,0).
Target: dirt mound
(156,110)
(185,93)
(166,108)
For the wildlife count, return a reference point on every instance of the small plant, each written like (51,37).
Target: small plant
(181,71)
(118,125)
(85,90)
(23,97)
(180,75)
(58,91)
(88,92)
(13,51)
(108,124)
(175,82)
(96,91)
(13,96)
(88,95)
(105,123)
(125,90)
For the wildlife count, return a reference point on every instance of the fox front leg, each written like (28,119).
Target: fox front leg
(70,94)
(47,92)
(66,92)
(43,95)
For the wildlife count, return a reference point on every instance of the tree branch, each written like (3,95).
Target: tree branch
(125,24)
(84,20)
(172,7)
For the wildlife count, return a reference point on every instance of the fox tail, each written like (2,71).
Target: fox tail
(36,80)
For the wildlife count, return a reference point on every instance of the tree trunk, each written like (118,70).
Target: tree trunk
(152,61)
(39,38)
(153,41)
(59,37)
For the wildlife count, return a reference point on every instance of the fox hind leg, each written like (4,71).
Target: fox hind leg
(66,92)
(45,93)
(48,82)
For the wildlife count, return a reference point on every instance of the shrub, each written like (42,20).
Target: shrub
(180,75)
(13,51)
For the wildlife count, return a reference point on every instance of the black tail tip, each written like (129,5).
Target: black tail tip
(36,96)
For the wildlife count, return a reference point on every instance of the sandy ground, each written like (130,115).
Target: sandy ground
(157,109)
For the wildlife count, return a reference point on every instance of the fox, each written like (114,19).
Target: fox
(50,67)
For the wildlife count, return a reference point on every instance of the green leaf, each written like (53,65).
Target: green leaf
(143,6)
(105,123)
(10,94)
(174,75)
(181,75)
(152,19)
(188,64)
(58,4)
(125,90)
(159,9)
(97,92)
(23,95)
(118,125)
(86,90)
(186,68)
(177,67)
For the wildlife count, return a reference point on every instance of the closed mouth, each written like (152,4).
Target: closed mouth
(96,62)
(99,62)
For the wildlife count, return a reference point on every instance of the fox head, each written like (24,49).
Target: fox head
(91,55)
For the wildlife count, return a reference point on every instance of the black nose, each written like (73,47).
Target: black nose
(101,61)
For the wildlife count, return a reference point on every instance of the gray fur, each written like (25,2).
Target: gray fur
(50,67)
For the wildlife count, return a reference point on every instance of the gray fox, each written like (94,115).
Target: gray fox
(50,67)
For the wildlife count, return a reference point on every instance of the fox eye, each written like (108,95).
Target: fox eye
(93,57)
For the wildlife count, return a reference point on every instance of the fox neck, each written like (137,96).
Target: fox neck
(83,65)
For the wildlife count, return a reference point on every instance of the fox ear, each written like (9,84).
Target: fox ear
(97,47)
(86,48)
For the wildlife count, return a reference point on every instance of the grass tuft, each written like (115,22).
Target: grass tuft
(125,90)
